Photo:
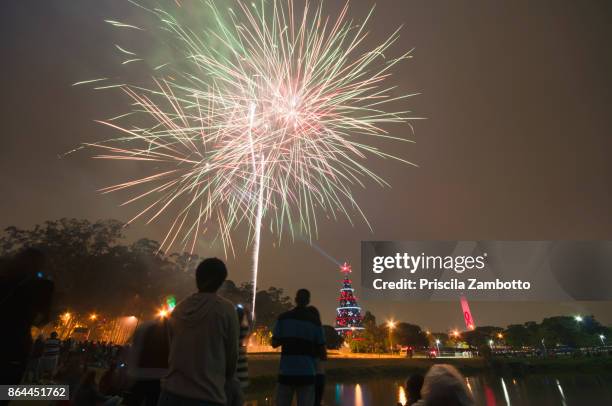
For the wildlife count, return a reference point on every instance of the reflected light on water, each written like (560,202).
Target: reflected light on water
(506,396)
(401,395)
(561,392)
(338,394)
(488,390)
(467,383)
(358,396)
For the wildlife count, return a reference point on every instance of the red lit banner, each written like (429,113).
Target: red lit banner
(467,314)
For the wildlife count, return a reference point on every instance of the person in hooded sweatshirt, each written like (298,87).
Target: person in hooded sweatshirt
(203,331)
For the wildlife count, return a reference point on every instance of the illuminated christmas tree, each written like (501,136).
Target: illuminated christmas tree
(348,314)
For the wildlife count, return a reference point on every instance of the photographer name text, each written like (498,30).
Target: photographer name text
(419,265)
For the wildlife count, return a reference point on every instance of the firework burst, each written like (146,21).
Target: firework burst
(269,113)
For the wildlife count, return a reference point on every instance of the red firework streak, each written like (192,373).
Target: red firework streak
(467,314)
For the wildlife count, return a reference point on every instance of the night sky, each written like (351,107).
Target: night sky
(516,145)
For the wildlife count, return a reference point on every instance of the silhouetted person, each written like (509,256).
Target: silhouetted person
(300,335)
(109,381)
(71,372)
(50,357)
(235,387)
(87,393)
(320,358)
(25,301)
(33,370)
(148,361)
(203,333)
(444,386)
(413,387)
(242,369)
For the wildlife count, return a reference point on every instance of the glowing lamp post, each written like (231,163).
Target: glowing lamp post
(603,339)
(67,320)
(92,318)
(438,345)
(455,335)
(391,326)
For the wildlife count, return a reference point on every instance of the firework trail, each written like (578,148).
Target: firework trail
(269,112)
(258,219)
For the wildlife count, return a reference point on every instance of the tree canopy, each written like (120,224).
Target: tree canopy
(95,269)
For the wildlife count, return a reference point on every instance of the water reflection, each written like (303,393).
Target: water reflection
(401,395)
(561,392)
(506,396)
(469,385)
(349,394)
(358,396)
(487,390)
(338,398)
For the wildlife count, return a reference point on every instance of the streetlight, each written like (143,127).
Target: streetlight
(92,317)
(500,335)
(578,318)
(491,343)
(391,326)
(603,339)
(455,335)
(66,319)
(438,345)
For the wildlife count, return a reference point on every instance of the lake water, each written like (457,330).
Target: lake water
(540,390)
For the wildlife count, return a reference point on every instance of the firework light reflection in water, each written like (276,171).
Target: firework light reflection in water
(268,113)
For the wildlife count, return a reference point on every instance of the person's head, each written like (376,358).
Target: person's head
(302,298)
(445,386)
(413,386)
(210,275)
(54,335)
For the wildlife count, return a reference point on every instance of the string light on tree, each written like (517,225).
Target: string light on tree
(348,313)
